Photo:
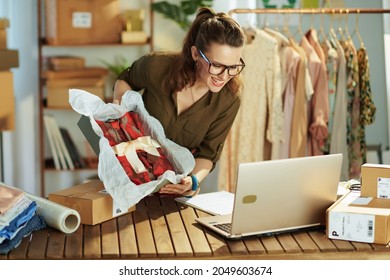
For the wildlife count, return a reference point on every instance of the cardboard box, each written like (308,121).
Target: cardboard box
(58,63)
(76,82)
(90,199)
(87,72)
(70,22)
(3,39)
(57,90)
(375,180)
(361,219)
(135,37)
(58,97)
(9,59)
(7,104)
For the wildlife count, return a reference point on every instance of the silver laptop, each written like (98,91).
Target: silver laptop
(279,196)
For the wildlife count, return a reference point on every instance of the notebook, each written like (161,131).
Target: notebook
(278,196)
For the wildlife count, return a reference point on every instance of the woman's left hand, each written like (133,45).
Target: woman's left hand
(183,188)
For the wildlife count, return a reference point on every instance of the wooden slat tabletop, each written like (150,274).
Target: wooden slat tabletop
(161,228)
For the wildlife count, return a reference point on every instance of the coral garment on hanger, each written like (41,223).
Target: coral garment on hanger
(303,93)
(319,103)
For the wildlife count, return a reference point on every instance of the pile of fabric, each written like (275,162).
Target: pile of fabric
(18,218)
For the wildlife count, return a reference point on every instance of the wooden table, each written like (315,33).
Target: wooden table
(161,228)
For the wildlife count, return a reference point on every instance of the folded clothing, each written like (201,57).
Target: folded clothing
(35,223)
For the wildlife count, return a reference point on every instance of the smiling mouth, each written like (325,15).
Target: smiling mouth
(217,83)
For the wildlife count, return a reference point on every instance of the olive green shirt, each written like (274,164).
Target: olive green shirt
(203,127)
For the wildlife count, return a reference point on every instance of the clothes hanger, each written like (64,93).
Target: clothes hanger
(332,34)
(276,27)
(340,29)
(277,33)
(321,34)
(312,20)
(285,28)
(265,21)
(299,29)
(250,29)
(356,31)
(346,30)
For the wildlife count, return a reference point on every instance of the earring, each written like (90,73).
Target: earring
(196,63)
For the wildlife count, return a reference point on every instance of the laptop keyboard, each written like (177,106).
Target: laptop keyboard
(225,227)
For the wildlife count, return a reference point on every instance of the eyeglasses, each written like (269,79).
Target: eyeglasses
(217,69)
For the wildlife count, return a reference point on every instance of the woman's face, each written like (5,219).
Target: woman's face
(219,56)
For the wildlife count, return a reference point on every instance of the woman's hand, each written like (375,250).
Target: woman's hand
(184,188)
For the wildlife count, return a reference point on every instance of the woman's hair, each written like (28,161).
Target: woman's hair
(207,28)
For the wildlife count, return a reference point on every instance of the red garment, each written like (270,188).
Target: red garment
(127,128)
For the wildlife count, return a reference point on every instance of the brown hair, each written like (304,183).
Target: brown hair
(207,28)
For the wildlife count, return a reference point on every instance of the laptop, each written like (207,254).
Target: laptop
(279,196)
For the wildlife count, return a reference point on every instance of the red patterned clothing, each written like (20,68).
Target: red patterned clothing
(124,131)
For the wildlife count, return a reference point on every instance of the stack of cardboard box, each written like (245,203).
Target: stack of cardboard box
(66,72)
(364,216)
(8,59)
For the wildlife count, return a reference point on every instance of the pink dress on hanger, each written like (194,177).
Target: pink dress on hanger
(319,104)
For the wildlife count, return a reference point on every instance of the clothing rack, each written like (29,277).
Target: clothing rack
(334,11)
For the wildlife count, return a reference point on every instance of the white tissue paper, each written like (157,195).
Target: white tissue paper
(124,192)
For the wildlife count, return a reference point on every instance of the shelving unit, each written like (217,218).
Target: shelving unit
(51,179)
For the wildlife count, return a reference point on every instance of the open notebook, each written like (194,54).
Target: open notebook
(280,195)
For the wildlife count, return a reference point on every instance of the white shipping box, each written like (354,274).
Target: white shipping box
(361,219)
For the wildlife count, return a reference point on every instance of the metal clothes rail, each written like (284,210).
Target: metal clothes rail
(310,11)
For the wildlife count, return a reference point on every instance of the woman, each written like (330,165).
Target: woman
(194,94)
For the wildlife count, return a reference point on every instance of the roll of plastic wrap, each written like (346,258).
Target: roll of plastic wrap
(57,216)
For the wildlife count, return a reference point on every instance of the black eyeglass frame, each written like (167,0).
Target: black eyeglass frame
(221,65)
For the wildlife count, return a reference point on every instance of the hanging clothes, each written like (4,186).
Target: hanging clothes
(353,118)
(289,60)
(367,106)
(331,60)
(319,104)
(261,96)
(338,141)
(303,93)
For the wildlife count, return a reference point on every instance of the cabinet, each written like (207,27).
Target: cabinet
(94,54)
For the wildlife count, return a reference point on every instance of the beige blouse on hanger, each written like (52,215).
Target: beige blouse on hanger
(261,109)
